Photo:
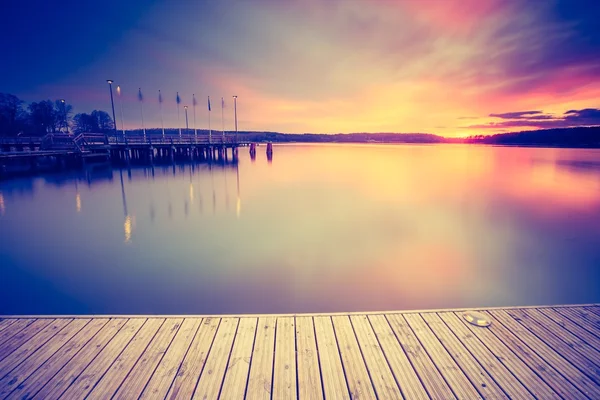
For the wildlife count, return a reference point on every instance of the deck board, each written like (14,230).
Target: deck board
(405,375)
(486,357)
(161,380)
(238,369)
(57,361)
(332,371)
(187,377)
(379,370)
(458,381)
(284,370)
(436,385)
(133,386)
(211,379)
(119,369)
(537,387)
(575,357)
(357,376)
(17,375)
(478,376)
(544,352)
(309,374)
(260,381)
(552,368)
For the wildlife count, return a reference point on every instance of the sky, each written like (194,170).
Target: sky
(449,67)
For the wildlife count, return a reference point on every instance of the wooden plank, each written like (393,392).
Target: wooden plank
(543,360)
(20,334)
(189,372)
(381,375)
(85,382)
(430,376)
(133,386)
(261,368)
(587,315)
(31,344)
(357,375)
(452,373)
(238,369)
(581,362)
(579,320)
(519,369)
(550,366)
(404,374)
(575,329)
(105,382)
(332,371)
(308,371)
(161,380)
(594,308)
(71,370)
(15,377)
(478,376)
(38,379)
(569,338)
(284,373)
(6,322)
(486,357)
(211,379)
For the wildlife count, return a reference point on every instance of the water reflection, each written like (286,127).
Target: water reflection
(325,228)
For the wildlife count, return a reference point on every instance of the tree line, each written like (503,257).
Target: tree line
(47,116)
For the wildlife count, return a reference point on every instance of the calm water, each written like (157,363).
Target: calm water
(320,228)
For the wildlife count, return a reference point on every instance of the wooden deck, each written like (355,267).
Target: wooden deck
(526,353)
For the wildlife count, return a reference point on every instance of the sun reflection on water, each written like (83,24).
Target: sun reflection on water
(78,202)
(128,228)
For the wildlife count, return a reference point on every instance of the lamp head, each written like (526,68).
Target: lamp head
(110,81)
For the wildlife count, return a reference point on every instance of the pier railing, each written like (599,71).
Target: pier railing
(175,139)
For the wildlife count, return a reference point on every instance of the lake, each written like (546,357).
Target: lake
(319,228)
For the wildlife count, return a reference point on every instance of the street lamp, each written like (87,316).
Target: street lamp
(235,111)
(186,120)
(112,103)
(64,106)
(235,116)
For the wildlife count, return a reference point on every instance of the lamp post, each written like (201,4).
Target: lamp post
(112,103)
(64,106)
(121,107)
(235,115)
(186,120)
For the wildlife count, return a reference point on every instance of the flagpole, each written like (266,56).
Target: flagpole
(162,124)
(223,118)
(209,130)
(121,106)
(178,120)
(142,110)
(194,107)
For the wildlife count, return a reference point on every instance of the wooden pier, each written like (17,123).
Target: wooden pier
(548,352)
(59,152)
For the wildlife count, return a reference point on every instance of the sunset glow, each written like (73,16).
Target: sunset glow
(449,67)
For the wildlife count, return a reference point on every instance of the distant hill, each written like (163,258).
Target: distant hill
(563,137)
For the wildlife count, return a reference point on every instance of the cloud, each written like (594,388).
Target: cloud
(531,119)
(516,115)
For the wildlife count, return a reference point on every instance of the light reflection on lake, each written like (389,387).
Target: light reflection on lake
(319,228)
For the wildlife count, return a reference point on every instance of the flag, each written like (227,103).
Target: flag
(159,97)
(194,102)
(140,97)
(178,99)
(208,103)
(222,102)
